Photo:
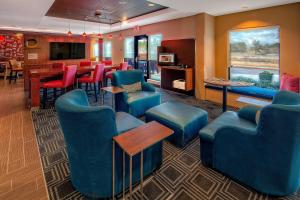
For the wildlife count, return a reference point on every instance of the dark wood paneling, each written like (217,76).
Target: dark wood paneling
(184,50)
(112,11)
(185,54)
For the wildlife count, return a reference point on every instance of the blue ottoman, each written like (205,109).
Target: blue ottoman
(185,120)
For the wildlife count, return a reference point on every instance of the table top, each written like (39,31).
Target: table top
(142,137)
(223,82)
(113,89)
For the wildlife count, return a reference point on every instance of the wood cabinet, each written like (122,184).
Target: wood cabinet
(171,73)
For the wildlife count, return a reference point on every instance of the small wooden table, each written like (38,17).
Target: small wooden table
(136,141)
(113,90)
(224,84)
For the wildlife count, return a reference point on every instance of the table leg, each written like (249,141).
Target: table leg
(113,170)
(224,98)
(103,97)
(142,174)
(35,91)
(124,168)
(130,177)
(113,101)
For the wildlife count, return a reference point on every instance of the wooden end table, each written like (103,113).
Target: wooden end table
(224,84)
(136,141)
(113,90)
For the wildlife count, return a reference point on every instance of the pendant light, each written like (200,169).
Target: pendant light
(120,35)
(110,36)
(84,33)
(99,34)
(69,33)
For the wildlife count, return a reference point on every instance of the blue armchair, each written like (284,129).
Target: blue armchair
(139,102)
(88,132)
(265,156)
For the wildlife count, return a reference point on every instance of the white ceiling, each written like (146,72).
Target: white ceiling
(29,15)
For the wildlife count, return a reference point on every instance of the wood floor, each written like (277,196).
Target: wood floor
(21,175)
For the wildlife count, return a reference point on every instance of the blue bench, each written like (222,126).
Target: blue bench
(249,91)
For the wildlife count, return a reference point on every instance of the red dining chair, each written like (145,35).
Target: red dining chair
(107,62)
(58,66)
(123,67)
(85,64)
(97,77)
(67,81)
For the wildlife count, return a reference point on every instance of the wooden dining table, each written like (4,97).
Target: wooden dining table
(36,75)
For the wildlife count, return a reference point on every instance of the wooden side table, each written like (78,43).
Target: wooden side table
(136,141)
(113,90)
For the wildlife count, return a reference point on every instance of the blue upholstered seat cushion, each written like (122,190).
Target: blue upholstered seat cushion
(228,118)
(255,91)
(125,122)
(185,120)
(250,91)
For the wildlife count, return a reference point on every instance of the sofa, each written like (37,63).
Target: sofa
(264,155)
(88,132)
(135,103)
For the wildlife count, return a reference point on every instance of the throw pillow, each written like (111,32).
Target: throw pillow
(257,116)
(289,83)
(132,87)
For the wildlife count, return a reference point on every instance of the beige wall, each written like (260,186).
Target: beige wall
(174,29)
(211,35)
(287,17)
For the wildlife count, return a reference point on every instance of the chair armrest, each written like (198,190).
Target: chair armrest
(286,98)
(248,113)
(148,87)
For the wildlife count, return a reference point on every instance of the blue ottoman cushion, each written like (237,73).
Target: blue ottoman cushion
(185,120)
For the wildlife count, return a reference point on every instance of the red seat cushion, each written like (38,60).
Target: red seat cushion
(289,83)
(109,74)
(86,79)
(53,84)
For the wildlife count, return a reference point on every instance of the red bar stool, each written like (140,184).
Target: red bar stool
(97,77)
(67,81)
(123,67)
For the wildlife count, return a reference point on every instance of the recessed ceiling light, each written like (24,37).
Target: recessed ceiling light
(122,2)
(151,4)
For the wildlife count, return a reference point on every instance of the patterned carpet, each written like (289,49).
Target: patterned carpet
(181,177)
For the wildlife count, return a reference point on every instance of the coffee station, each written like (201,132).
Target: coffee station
(176,60)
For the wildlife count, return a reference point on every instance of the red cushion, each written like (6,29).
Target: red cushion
(107,62)
(86,79)
(289,83)
(109,74)
(53,84)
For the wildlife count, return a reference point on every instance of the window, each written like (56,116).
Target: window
(154,42)
(96,50)
(254,56)
(129,47)
(107,50)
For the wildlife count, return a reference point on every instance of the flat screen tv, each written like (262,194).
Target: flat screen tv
(66,50)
